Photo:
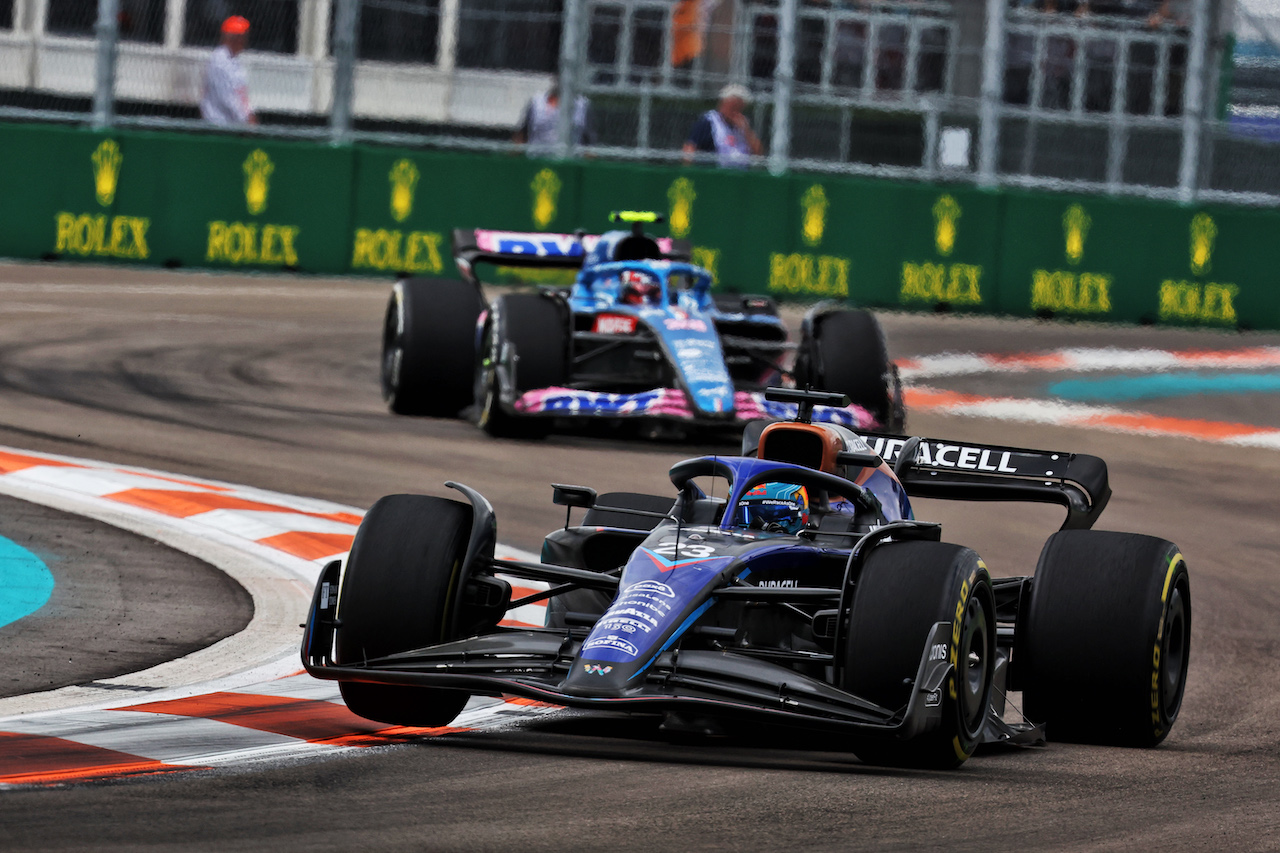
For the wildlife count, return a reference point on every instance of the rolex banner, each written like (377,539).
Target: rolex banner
(174,200)
(231,202)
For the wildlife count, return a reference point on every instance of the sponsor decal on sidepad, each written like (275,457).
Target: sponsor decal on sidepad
(684,324)
(615,324)
(612,642)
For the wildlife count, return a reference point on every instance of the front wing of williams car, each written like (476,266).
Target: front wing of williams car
(632,657)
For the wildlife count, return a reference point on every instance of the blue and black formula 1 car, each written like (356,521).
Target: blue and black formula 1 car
(806,596)
(638,335)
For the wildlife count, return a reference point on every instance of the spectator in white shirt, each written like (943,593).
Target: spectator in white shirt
(539,127)
(224,94)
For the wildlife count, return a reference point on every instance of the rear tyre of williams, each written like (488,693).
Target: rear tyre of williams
(844,351)
(428,346)
(398,591)
(905,589)
(527,334)
(1102,654)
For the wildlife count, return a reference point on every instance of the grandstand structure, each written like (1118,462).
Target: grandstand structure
(1176,99)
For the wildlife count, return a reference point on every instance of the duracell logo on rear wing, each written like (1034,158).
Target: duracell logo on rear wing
(984,472)
(935,455)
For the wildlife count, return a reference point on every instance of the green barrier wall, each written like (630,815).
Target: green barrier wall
(217,202)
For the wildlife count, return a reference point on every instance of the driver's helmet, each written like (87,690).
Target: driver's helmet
(639,288)
(774,507)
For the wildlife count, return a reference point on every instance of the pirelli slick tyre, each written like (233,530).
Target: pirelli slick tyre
(904,590)
(844,351)
(1101,655)
(397,594)
(428,346)
(527,334)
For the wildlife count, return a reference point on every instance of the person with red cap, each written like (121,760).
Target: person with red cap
(224,93)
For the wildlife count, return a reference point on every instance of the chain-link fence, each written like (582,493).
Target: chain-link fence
(1163,98)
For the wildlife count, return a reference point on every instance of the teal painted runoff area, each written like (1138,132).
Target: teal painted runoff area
(25,582)
(1165,385)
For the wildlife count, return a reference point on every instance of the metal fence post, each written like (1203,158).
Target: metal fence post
(107,31)
(346,32)
(569,51)
(784,78)
(1193,103)
(992,93)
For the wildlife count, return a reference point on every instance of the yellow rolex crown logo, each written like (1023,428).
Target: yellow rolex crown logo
(106,170)
(404,180)
(1203,233)
(546,193)
(680,196)
(257,180)
(814,221)
(1075,227)
(945,213)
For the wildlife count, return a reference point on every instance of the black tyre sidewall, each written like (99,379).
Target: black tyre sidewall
(429,326)
(398,591)
(537,328)
(905,588)
(1092,653)
(847,354)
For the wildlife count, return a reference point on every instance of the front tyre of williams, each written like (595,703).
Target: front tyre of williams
(905,589)
(398,593)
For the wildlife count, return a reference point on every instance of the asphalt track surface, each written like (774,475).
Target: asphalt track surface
(272,382)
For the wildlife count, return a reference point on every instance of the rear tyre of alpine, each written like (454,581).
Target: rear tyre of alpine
(528,335)
(398,591)
(1101,655)
(844,351)
(428,346)
(906,588)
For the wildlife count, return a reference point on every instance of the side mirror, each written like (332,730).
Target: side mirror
(906,457)
(573,496)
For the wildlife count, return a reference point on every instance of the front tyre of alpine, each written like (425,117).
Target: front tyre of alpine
(526,336)
(1102,653)
(428,346)
(904,590)
(398,592)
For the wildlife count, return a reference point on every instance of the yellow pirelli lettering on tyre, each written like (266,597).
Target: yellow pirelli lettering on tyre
(956,623)
(1174,562)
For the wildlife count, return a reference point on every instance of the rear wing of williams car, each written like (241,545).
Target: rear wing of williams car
(933,468)
(537,249)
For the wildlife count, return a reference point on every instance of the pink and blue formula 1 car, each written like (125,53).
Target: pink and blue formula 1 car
(639,334)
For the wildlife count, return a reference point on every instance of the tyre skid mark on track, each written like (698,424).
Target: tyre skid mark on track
(292,716)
